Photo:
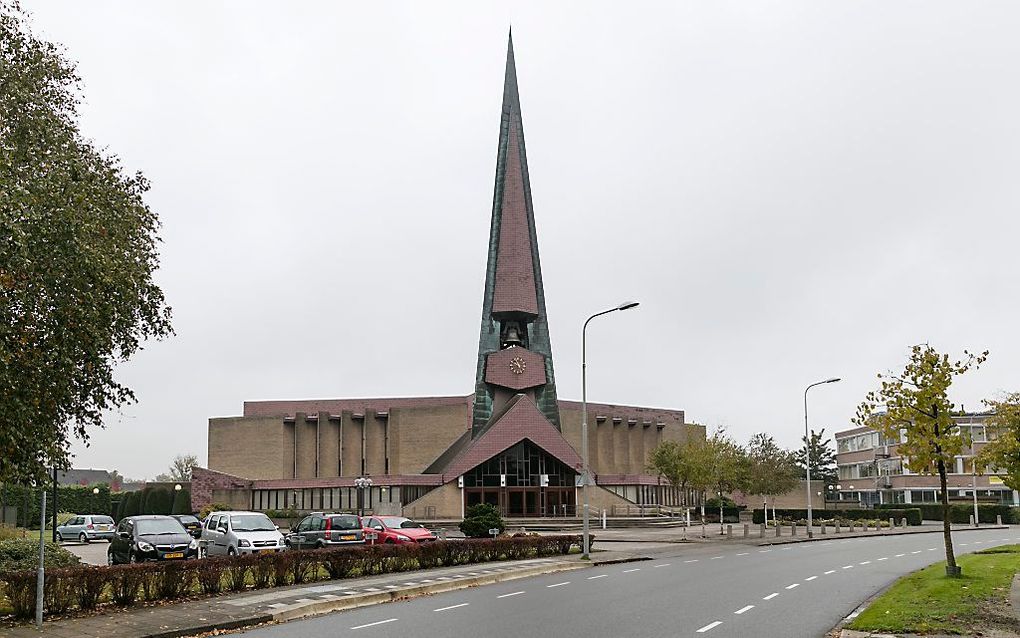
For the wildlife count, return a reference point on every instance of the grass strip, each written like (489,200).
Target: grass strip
(928,602)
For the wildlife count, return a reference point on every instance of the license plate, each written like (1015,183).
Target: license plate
(266,551)
(174,555)
(347,537)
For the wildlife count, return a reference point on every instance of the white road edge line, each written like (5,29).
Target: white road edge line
(743,609)
(558,584)
(710,626)
(373,624)
(452,607)
(599,576)
(516,593)
(771,596)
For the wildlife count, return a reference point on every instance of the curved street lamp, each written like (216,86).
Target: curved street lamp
(807,450)
(585,470)
(362,483)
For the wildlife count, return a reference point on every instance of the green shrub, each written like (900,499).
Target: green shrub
(157,500)
(20,590)
(177,577)
(912,514)
(236,571)
(713,503)
(960,513)
(23,553)
(479,519)
(212,507)
(182,502)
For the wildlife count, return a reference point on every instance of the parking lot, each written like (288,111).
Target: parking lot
(93,553)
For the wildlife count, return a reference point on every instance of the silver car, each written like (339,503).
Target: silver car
(86,528)
(234,533)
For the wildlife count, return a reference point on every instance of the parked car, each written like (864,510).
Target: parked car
(234,533)
(398,530)
(319,530)
(190,523)
(87,528)
(152,537)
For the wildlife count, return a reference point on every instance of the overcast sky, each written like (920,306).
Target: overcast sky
(792,190)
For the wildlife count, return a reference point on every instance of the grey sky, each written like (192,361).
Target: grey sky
(793,190)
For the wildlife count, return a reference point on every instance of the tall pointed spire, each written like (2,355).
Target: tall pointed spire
(513,307)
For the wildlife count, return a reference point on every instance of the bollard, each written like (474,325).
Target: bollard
(972,520)
(778,527)
(903,522)
(761,531)
(998,519)
(747,530)
(729,531)
(892,523)
(793,529)
(837,526)
(853,526)
(823,528)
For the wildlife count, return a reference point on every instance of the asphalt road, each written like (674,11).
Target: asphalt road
(720,590)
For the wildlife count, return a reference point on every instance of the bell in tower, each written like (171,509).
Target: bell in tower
(511,336)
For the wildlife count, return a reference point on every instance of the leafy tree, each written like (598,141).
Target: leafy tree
(677,462)
(916,402)
(771,470)
(182,502)
(77,256)
(180,469)
(479,519)
(823,458)
(1003,453)
(720,466)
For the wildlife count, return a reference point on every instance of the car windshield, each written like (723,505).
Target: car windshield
(251,523)
(102,520)
(155,527)
(401,523)
(187,519)
(345,522)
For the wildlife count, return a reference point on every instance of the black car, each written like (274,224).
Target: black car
(190,523)
(142,538)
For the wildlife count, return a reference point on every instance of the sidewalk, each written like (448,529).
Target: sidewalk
(279,604)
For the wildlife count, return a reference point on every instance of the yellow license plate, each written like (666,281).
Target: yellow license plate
(174,555)
(347,537)
(266,551)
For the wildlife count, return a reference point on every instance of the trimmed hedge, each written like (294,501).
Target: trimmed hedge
(23,553)
(730,514)
(84,588)
(960,513)
(913,514)
(78,499)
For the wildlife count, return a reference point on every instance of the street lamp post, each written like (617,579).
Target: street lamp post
(807,451)
(95,493)
(585,470)
(362,483)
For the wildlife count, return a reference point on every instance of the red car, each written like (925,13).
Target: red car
(396,530)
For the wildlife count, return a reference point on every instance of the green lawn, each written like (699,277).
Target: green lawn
(929,602)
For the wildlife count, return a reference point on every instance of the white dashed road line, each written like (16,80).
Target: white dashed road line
(373,624)
(516,593)
(864,562)
(710,626)
(771,596)
(917,552)
(662,565)
(557,585)
(691,561)
(848,566)
(793,585)
(899,555)
(715,558)
(452,607)
(599,576)
(764,551)
(627,571)
(884,558)
(810,578)
(743,609)
(831,571)
(743,554)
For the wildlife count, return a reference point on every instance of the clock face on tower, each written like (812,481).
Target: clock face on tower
(517,365)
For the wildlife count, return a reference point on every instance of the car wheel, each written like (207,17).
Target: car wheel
(83,538)
(132,557)
(109,558)
(231,551)
(390,541)
(60,539)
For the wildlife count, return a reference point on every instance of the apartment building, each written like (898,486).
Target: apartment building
(871,470)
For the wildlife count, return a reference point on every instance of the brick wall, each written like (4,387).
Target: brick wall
(206,484)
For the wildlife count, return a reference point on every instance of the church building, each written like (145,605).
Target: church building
(512,442)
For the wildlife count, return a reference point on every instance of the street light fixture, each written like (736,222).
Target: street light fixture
(177,487)
(807,450)
(362,483)
(585,470)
